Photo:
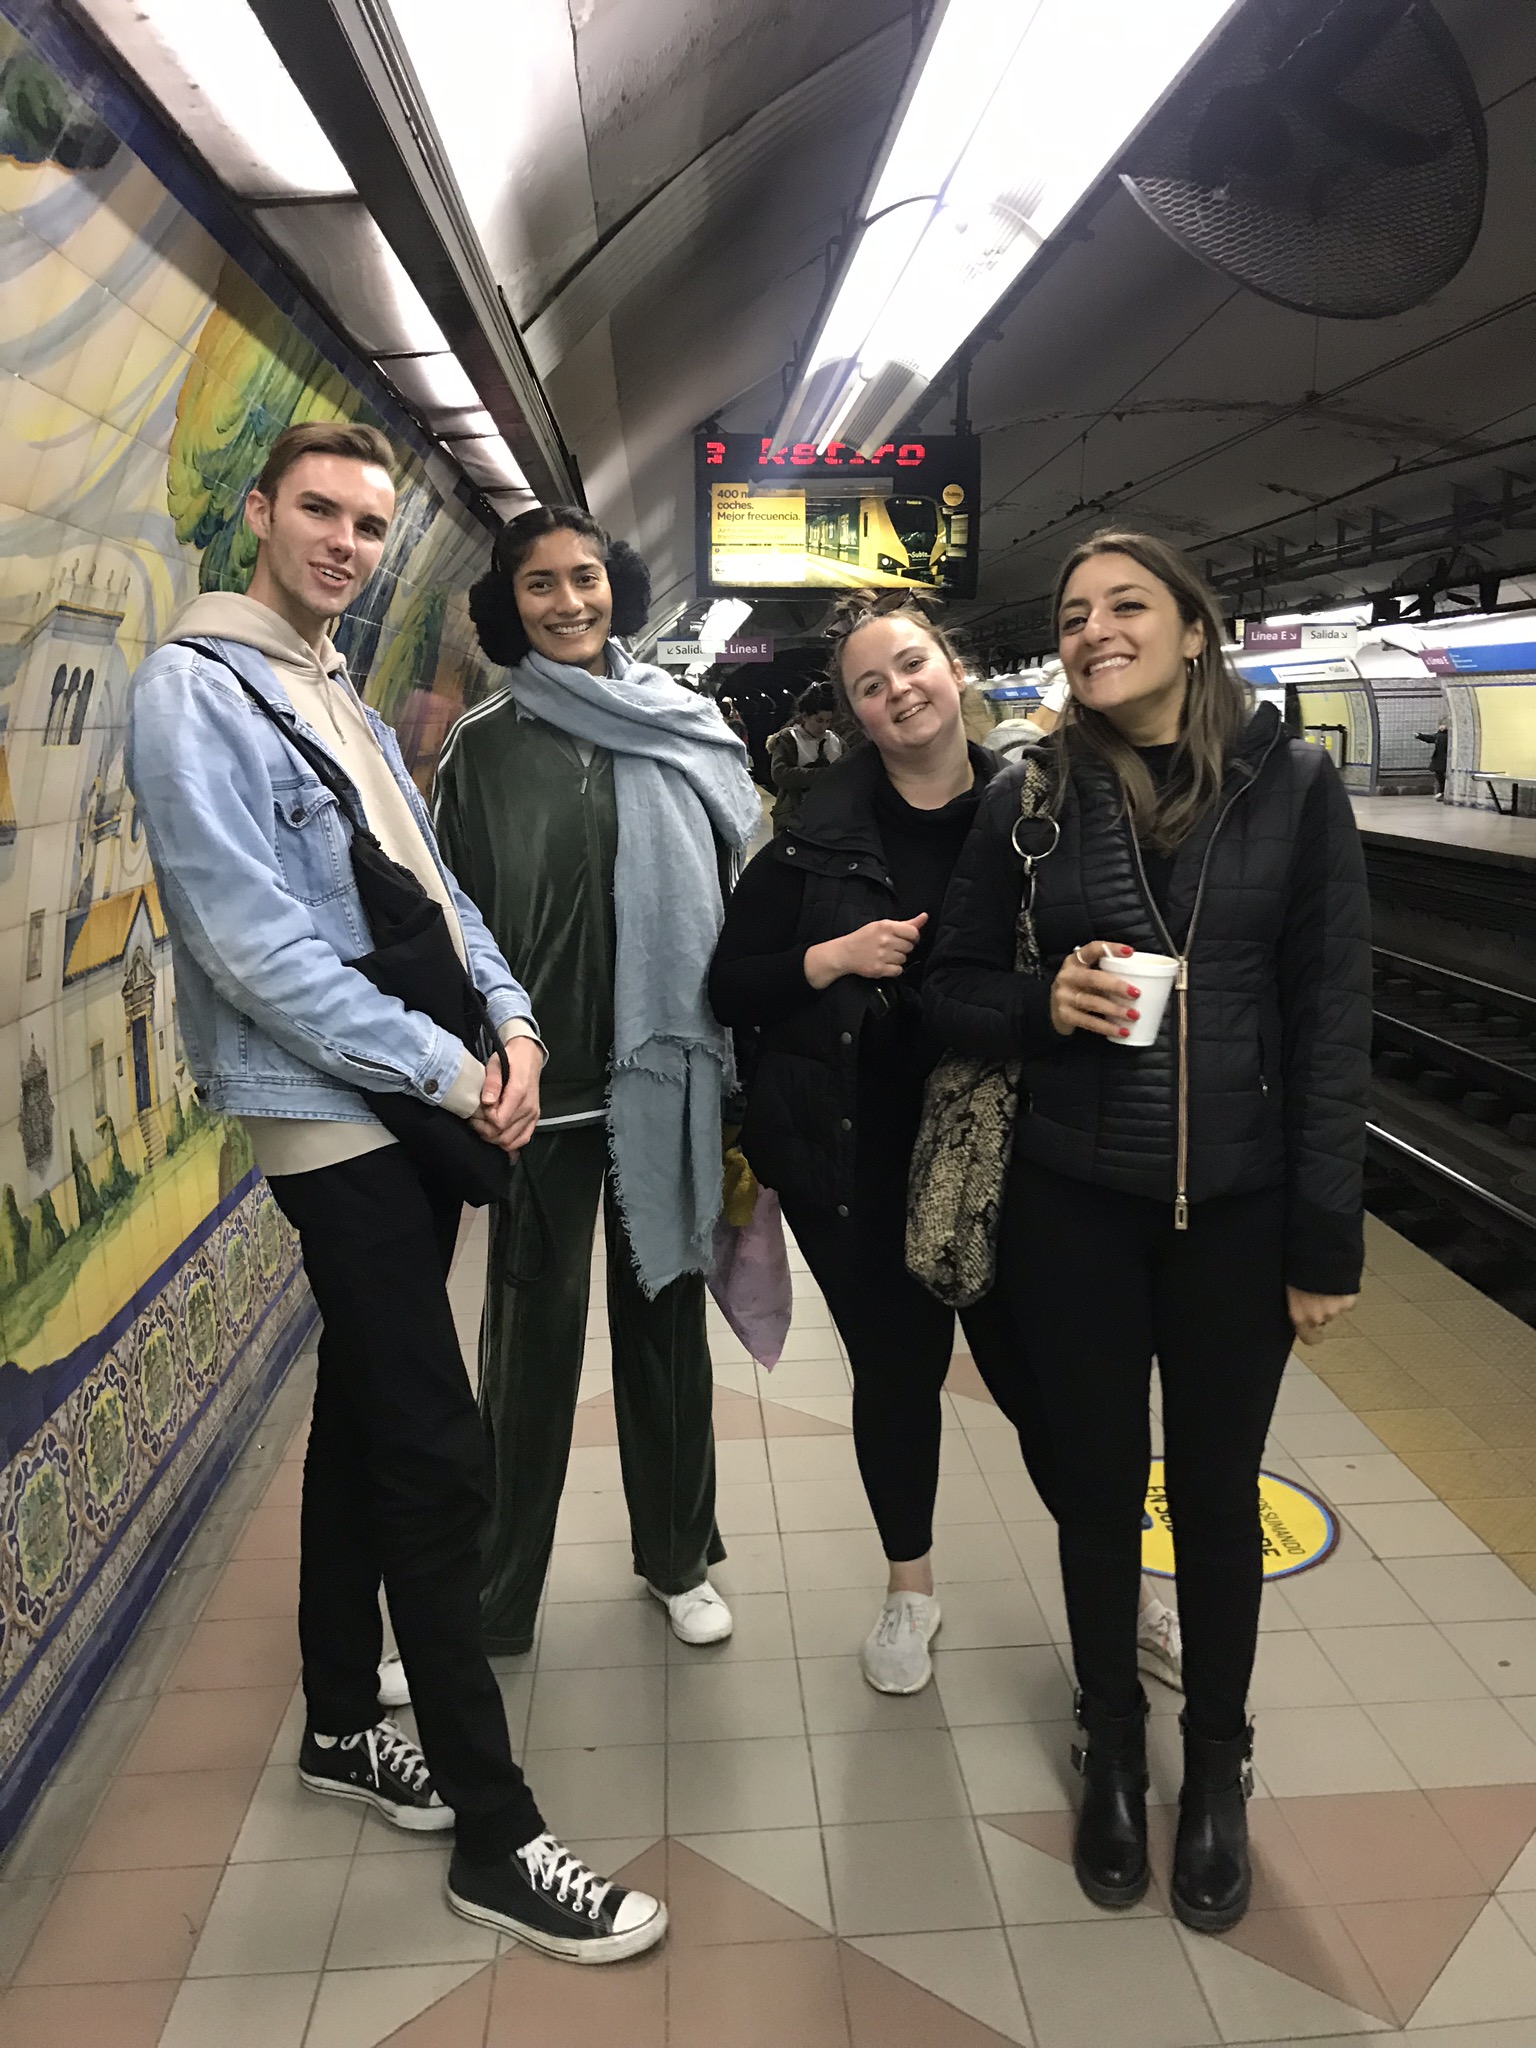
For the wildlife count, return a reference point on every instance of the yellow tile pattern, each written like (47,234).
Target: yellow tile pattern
(1447,1379)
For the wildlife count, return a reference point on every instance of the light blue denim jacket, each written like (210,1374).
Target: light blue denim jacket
(250,852)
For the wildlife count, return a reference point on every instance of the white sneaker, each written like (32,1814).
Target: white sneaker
(394,1688)
(894,1657)
(1160,1645)
(697,1616)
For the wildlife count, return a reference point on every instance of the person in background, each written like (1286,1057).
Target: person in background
(1439,745)
(1028,727)
(594,807)
(1198,1201)
(802,752)
(733,718)
(250,851)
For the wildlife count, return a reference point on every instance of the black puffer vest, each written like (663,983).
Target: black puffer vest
(1212,1119)
(800,1132)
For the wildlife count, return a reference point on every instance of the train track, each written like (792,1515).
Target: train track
(1451,1153)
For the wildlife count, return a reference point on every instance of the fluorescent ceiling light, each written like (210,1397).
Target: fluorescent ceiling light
(1473,632)
(477,421)
(510,503)
(340,248)
(487,460)
(434,383)
(209,64)
(724,619)
(1015,111)
(1344,615)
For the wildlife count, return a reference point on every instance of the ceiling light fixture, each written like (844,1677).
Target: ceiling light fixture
(210,65)
(724,619)
(487,460)
(1012,114)
(434,384)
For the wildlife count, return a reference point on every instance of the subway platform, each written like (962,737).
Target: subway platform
(846,1870)
(1460,826)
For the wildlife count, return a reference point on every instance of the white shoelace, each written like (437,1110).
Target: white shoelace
(1160,1628)
(392,1750)
(554,1869)
(894,1617)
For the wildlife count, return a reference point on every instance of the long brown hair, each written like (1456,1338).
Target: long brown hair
(856,609)
(1216,702)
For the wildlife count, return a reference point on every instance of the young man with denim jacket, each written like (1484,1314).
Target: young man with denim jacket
(251,853)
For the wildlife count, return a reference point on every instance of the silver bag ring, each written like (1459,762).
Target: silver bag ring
(1041,818)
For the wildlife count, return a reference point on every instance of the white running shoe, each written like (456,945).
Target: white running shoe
(894,1656)
(697,1616)
(1160,1645)
(394,1688)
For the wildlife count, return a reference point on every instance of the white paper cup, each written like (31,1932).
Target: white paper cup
(1153,974)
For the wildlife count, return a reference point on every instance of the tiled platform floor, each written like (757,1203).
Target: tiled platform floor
(846,1871)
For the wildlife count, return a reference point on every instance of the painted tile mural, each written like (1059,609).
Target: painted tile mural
(146,1277)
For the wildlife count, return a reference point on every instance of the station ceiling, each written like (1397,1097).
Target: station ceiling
(663,183)
(1132,386)
(675,171)
(658,186)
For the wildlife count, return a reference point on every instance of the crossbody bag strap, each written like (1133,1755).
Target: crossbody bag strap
(331,778)
(1036,835)
(315,758)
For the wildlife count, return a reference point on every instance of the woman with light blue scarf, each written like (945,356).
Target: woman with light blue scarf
(594,810)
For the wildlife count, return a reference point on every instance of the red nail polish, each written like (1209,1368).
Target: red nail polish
(1135,993)
(1123,1032)
(1133,1015)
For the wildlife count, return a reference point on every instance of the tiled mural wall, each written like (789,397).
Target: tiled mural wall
(148,1285)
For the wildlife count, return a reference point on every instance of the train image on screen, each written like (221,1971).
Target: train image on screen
(886,540)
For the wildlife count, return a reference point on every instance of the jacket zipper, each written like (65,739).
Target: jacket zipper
(1181,983)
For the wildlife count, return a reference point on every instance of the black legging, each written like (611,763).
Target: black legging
(1099,1283)
(899,1342)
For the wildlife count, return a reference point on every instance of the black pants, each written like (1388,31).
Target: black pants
(899,1341)
(1100,1283)
(396,1487)
(531,1348)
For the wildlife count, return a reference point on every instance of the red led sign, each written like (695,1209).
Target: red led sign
(836,455)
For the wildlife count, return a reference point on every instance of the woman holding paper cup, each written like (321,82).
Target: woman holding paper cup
(1187,1161)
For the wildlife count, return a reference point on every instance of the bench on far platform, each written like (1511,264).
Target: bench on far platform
(1493,778)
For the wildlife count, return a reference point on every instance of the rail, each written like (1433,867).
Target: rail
(1453,1122)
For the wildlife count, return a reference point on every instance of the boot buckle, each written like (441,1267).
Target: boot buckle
(1245,1781)
(1080,1758)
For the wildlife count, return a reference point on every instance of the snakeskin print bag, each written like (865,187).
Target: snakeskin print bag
(960,1161)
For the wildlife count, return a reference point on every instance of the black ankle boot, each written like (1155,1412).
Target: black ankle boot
(1212,1878)
(1109,1853)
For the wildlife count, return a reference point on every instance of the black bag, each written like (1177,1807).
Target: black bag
(414,959)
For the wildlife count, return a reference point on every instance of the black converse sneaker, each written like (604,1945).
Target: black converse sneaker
(383,1768)
(547,1897)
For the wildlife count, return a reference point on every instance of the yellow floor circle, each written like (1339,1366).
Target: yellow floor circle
(1299,1531)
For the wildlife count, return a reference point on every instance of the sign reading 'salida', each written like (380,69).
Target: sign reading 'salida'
(791,517)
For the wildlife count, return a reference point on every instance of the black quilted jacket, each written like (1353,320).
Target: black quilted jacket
(804,1053)
(1267,900)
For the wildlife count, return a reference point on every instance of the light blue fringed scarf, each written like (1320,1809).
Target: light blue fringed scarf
(680,779)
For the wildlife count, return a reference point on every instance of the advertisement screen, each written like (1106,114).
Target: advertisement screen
(793,518)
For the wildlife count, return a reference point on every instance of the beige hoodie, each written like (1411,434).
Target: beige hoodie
(321,693)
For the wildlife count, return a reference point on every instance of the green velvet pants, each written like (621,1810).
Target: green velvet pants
(531,1344)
